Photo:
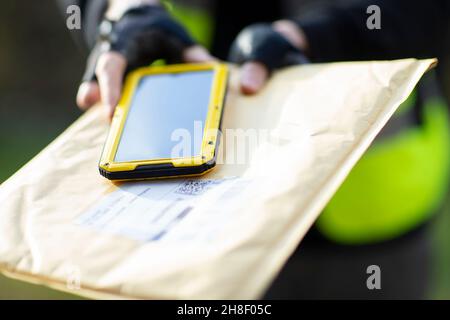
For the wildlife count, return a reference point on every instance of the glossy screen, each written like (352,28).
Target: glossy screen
(166,117)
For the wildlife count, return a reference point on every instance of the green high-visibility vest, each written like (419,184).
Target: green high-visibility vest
(396,186)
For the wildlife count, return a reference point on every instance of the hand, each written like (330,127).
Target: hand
(261,48)
(141,36)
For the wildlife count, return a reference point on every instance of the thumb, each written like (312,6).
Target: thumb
(254,76)
(88,94)
(110,69)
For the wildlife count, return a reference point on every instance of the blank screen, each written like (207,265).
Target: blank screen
(162,104)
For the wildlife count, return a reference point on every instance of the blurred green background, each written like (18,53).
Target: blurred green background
(40,68)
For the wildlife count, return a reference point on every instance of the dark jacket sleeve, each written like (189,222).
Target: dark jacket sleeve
(92,12)
(409,28)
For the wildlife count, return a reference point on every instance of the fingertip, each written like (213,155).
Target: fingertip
(110,70)
(88,95)
(249,87)
(112,97)
(253,77)
(110,111)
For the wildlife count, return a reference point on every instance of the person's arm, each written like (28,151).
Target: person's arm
(409,28)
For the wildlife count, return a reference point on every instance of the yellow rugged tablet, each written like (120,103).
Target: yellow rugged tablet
(167,122)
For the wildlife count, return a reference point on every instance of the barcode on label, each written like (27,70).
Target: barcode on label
(196,187)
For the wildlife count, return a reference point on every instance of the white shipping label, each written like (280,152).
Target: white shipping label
(171,210)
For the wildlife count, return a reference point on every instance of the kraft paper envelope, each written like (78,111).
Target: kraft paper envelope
(225,235)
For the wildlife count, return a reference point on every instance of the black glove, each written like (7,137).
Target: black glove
(143,35)
(261,43)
